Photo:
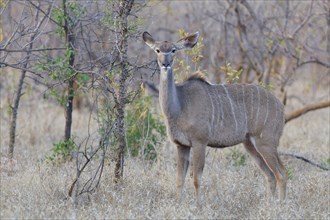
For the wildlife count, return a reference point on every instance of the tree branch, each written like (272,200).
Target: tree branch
(32,50)
(45,13)
(17,66)
(317,61)
(311,107)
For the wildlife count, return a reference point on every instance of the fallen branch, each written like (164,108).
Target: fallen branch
(304,159)
(295,114)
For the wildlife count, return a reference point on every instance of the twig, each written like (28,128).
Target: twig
(304,159)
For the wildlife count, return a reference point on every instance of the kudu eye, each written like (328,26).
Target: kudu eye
(157,51)
(173,50)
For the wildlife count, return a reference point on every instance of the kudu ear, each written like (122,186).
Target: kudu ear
(147,38)
(187,42)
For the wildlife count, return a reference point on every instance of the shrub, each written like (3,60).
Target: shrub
(144,129)
(62,151)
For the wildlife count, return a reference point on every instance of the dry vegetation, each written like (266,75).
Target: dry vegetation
(232,186)
(33,189)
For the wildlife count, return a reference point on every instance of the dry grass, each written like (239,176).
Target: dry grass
(31,189)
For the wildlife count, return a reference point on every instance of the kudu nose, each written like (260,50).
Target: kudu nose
(166,65)
(165,61)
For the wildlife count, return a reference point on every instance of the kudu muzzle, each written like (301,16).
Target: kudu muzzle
(165,60)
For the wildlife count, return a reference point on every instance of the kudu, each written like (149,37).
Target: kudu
(200,114)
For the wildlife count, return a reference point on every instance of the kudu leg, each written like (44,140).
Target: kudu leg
(284,173)
(198,161)
(182,167)
(271,181)
(270,156)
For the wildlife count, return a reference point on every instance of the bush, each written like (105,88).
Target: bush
(144,130)
(61,151)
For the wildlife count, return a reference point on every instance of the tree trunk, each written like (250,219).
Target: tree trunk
(69,37)
(124,8)
(14,111)
(68,110)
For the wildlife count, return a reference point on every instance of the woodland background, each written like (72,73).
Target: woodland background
(81,133)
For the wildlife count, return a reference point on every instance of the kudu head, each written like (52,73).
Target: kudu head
(166,50)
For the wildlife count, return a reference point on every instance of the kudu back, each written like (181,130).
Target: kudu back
(200,114)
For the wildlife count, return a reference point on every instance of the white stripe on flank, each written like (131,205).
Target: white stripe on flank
(212,117)
(216,114)
(266,108)
(216,111)
(231,106)
(257,116)
(221,110)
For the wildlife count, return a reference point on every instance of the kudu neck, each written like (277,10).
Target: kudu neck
(168,94)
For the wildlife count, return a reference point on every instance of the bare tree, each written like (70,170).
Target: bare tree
(23,30)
